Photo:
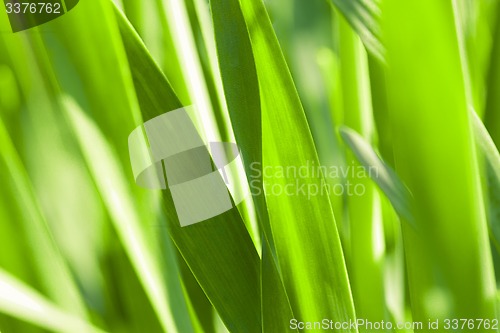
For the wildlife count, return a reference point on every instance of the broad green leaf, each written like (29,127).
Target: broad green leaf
(434,156)
(364,16)
(219,251)
(241,87)
(202,9)
(306,238)
(383,176)
(214,80)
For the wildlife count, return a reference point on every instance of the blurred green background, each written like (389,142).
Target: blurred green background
(410,88)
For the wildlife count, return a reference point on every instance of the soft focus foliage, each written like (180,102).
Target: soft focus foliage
(395,103)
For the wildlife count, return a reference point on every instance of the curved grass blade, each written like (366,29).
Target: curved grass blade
(305,234)
(489,150)
(241,87)
(364,17)
(219,251)
(492,107)
(110,181)
(386,178)
(51,266)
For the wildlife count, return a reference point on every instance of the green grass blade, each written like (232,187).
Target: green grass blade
(366,242)
(492,110)
(314,272)
(113,186)
(50,264)
(364,17)
(241,89)
(219,252)
(386,178)
(190,62)
(434,156)
(488,149)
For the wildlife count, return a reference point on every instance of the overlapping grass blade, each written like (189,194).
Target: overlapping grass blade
(492,108)
(241,89)
(364,17)
(309,253)
(366,243)
(57,67)
(51,267)
(219,252)
(383,175)
(488,149)
(112,184)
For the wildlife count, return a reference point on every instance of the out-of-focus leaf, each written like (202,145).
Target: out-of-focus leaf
(51,266)
(21,301)
(112,184)
(434,156)
(364,17)
(492,109)
(383,175)
(366,243)
(490,152)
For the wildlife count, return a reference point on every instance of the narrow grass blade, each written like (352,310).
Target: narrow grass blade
(386,178)
(183,36)
(241,88)
(364,17)
(111,182)
(366,243)
(309,253)
(488,149)
(492,109)
(51,267)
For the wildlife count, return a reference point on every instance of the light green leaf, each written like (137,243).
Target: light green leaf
(241,89)
(434,156)
(304,230)
(51,267)
(112,184)
(388,181)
